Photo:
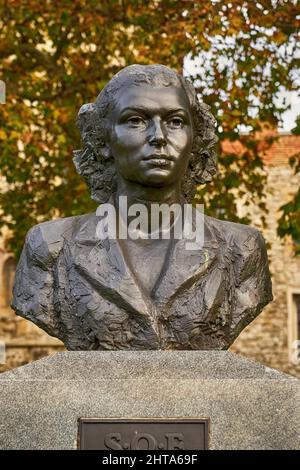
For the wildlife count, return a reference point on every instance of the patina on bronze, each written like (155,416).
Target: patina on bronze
(146,137)
(143,434)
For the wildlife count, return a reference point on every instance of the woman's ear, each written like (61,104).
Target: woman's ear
(105,151)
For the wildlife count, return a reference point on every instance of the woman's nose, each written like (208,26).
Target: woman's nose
(157,136)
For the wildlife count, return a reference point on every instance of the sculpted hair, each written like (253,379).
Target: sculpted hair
(94,161)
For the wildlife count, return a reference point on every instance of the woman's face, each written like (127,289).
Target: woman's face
(151,134)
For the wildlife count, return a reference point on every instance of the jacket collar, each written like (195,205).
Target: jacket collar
(102,264)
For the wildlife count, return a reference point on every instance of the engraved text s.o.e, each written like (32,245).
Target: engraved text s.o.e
(106,434)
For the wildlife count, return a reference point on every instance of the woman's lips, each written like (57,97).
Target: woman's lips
(159,159)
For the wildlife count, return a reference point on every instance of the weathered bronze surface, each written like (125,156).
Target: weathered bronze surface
(149,139)
(151,434)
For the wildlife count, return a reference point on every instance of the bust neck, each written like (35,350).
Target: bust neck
(137,193)
(149,197)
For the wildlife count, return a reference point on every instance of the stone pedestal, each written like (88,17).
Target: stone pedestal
(249,405)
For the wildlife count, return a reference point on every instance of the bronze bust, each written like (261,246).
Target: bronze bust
(149,139)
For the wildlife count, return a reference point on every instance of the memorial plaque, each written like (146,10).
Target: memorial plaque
(143,434)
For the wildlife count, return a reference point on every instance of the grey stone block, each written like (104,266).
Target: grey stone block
(249,405)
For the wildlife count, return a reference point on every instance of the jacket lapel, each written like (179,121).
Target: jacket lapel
(102,264)
(185,266)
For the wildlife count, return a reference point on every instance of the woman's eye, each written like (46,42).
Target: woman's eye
(176,122)
(136,121)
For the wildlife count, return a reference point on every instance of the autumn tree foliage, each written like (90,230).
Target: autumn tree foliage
(55,56)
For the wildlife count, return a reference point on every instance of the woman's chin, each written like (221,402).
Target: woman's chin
(158,177)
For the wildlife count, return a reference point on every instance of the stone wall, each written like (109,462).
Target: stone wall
(23,341)
(266,339)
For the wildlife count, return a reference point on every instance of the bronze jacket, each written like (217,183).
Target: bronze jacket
(80,289)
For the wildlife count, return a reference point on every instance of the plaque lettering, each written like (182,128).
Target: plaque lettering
(140,434)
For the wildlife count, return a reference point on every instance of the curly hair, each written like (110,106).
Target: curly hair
(93,161)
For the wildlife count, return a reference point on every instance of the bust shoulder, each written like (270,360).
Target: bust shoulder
(247,252)
(240,236)
(45,240)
